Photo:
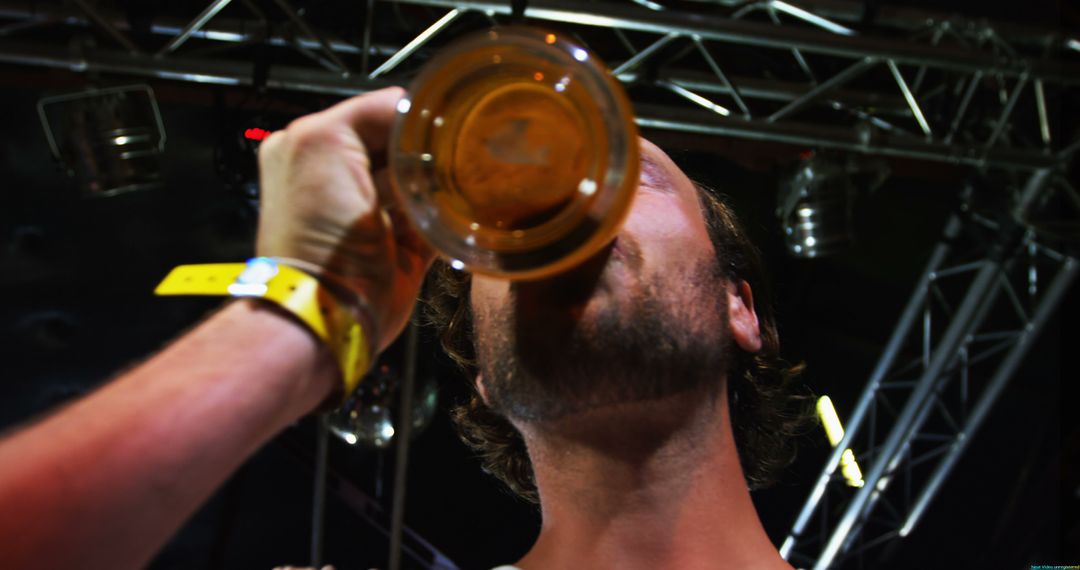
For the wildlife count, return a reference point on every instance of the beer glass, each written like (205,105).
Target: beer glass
(515,153)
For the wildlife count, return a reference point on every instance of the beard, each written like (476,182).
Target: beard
(553,351)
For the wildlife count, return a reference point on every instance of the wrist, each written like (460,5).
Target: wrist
(306,298)
(317,380)
(350,299)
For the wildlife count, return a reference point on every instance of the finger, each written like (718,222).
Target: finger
(371,115)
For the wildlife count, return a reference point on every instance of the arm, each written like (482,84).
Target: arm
(104,482)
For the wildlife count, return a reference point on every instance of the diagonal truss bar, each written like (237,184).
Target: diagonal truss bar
(910,98)
(811,18)
(855,70)
(104,23)
(644,54)
(306,29)
(910,19)
(416,43)
(947,359)
(980,293)
(609,15)
(869,109)
(795,52)
(195,25)
(1003,121)
(648,116)
(1040,106)
(863,408)
(369,22)
(722,76)
(969,92)
(1051,299)
(698,99)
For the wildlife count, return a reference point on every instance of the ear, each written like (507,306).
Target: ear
(742,320)
(482,389)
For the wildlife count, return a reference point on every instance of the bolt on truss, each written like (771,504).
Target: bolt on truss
(943,90)
(972,318)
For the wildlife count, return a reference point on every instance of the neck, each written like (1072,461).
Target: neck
(645,485)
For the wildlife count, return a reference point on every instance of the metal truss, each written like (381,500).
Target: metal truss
(974,315)
(918,86)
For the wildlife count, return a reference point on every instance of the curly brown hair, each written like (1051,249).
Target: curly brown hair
(767,412)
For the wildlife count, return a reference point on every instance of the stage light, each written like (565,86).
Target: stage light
(109,139)
(815,208)
(816,202)
(256,134)
(834,431)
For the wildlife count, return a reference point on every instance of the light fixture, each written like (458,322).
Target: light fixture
(109,140)
(816,202)
(815,207)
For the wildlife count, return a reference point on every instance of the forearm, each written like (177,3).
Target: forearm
(118,472)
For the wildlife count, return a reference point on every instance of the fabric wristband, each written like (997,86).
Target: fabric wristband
(292,289)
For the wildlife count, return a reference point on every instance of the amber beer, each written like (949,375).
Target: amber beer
(515,155)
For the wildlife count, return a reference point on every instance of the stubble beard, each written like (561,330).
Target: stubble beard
(544,365)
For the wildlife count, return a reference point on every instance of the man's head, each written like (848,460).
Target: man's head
(667,309)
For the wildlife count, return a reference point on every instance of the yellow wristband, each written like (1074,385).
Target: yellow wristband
(292,289)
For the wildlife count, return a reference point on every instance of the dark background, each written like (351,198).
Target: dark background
(77,279)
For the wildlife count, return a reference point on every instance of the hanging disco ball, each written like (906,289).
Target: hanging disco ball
(368,417)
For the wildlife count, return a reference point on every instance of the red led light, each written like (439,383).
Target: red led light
(256,134)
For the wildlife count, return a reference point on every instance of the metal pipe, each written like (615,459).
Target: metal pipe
(695,98)
(194,26)
(795,53)
(1035,185)
(649,116)
(416,43)
(318,508)
(642,55)
(865,403)
(811,18)
(1051,299)
(910,98)
(912,19)
(853,71)
(306,29)
(1007,111)
(404,438)
(1067,152)
(724,29)
(980,292)
(369,20)
(228,30)
(1040,105)
(768,36)
(935,39)
(722,76)
(968,94)
(106,25)
(772,90)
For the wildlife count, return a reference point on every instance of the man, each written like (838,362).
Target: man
(631,444)
(602,392)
